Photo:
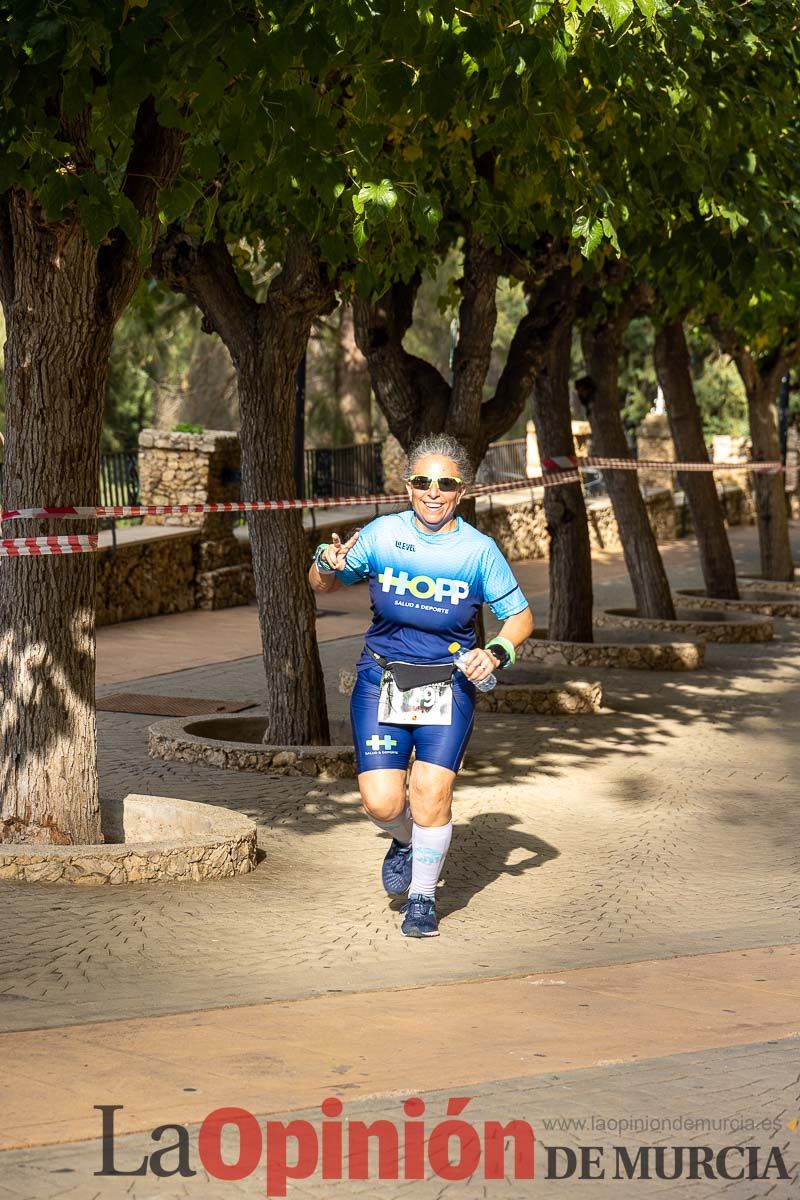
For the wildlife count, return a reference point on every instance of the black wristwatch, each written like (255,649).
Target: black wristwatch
(500,653)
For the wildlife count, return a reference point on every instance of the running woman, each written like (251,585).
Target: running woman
(429,573)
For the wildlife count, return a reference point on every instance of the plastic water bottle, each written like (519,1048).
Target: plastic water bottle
(483,685)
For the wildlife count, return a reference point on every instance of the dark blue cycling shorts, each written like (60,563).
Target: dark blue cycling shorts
(380,746)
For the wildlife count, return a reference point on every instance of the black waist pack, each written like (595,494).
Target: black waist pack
(411,675)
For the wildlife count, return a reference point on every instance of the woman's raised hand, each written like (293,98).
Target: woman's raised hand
(335,555)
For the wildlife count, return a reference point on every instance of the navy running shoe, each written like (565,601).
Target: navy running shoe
(396,869)
(420,919)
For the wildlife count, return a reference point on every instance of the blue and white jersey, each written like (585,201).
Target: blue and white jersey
(426,588)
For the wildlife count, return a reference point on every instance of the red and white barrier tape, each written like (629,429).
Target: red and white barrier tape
(35,547)
(92,512)
(96,512)
(565,462)
(558,471)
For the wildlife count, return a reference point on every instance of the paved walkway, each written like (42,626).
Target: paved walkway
(620,935)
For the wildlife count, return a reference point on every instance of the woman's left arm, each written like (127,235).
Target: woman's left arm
(515,629)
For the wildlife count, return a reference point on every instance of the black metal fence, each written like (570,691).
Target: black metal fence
(344,471)
(119,478)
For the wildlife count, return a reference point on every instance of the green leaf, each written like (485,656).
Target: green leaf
(616,12)
(58,191)
(128,219)
(590,229)
(427,212)
(376,200)
(610,232)
(76,92)
(98,218)
(333,248)
(360,233)
(209,209)
(648,8)
(210,87)
(558,54)
(538,9)
(178,201)
(204,159)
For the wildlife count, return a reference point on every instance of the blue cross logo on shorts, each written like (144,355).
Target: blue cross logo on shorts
(384,743)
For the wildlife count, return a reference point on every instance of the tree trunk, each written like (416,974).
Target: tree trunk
(267,341)
(770,493)
(351,380)
(62,298)
(602,347)
(672,367)
(56,364)
(570,551)
(294,682)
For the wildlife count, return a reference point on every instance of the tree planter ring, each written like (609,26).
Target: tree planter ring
(713,625)
(234,743)
(758,583)
(570,698)
(626,656)
(764,601)
(148,838)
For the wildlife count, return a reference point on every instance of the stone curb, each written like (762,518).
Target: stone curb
(546,699)
(171,741)
(165,839)
(737,629)
(697,598)
(627,656)
(792,586)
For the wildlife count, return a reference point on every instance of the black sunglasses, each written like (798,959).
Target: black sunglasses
(445,483)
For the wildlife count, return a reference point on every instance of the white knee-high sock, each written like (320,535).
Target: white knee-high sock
(429,852)
(399,828)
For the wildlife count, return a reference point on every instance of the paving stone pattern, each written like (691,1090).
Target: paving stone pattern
(666,824)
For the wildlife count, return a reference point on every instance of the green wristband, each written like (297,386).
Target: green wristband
(507,646)
(322,565)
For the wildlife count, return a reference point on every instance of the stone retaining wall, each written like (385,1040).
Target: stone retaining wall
(147,578)
(520,530)
(200,468)
(738,507)
(190,468)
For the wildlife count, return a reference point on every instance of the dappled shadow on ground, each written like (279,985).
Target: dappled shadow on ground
(742,691)
(487,846)
(738,690)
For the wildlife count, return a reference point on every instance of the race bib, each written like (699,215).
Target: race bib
(430,704)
